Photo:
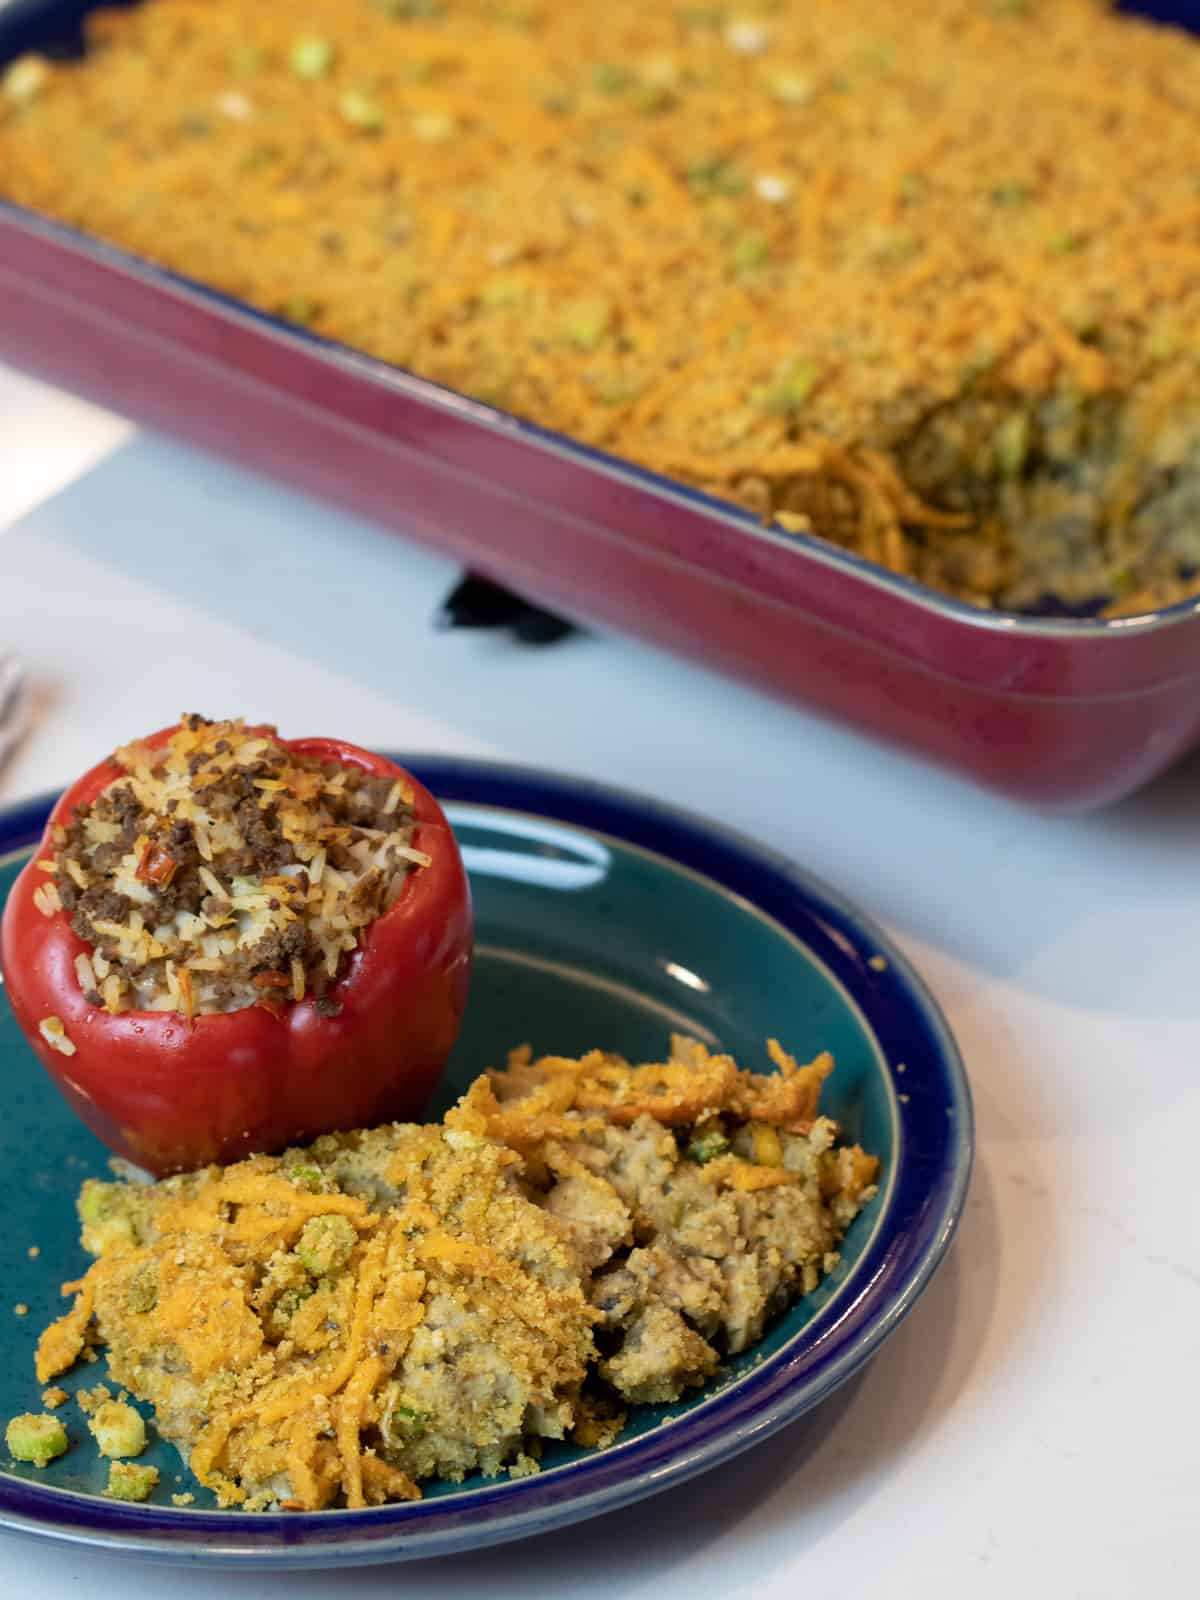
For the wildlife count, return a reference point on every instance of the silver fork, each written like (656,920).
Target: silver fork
(14,705)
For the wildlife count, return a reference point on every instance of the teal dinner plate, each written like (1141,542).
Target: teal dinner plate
(604,920)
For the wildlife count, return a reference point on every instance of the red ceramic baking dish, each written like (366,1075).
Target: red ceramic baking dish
(1064,714)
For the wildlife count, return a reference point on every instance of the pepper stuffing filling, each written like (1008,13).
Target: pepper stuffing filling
(225,870)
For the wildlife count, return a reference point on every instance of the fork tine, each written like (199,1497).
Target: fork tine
(14,705)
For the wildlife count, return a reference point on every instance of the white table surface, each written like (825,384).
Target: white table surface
(1034,1425)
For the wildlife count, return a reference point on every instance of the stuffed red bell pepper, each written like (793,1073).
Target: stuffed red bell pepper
(229,942)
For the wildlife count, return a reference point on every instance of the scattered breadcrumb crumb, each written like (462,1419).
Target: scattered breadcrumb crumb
(183,1499)
(21,1309)
(34,1251)
(600,1423)
(54,1397)
(90,1400)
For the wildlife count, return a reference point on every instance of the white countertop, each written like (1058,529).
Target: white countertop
(1033,1426)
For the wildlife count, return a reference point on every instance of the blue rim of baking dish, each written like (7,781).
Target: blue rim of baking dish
(620,468)
(932,1169)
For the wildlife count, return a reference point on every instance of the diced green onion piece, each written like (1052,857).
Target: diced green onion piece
(1121,580)
(610,78)
(897,248)
(409,1422)
(129,1481)
(290,1301)
(38,1439)
(706,1147)
(587,322)
(325,1244)
(799,383)
(652,97)
(792,390)
(750,251)
(311,57)
(790,88)
(360,111)
(503,292)
(716,176)
(1012,444)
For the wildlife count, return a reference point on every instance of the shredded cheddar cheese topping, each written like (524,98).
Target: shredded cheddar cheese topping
(334,1324)
(198,1285)
(761,254)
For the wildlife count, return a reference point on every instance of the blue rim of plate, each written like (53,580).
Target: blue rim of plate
(935,1150)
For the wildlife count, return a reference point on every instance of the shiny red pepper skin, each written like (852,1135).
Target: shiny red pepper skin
(169,1096)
